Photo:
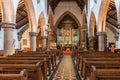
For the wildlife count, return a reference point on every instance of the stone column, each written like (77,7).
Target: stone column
(82,38)
(44,41)
(91,42)
(101,41)
(8,37)
(19,39)
(33,41)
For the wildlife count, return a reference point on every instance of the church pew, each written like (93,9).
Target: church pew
(98,59)
(54,54)
(86,55)
(34,70)
(32,58)
(101,64)
(51,53)
(43,64)
(13,75)
(97,55)
(51,58)
(104,74)
(36,54)
(28,60)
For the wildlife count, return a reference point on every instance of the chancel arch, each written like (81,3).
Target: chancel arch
(68,30)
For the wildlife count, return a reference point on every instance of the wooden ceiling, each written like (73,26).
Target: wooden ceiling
(112,15)
(54,3)
(22,16)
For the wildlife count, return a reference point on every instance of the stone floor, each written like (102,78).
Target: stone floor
(65,70)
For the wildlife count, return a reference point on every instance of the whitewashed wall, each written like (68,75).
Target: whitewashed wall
(67,6)
(110,36)
(27,37)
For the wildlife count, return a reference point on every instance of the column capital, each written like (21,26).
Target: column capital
(101,33)
(33,33)
(7,25)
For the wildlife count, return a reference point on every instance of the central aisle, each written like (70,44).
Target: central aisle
(65,70)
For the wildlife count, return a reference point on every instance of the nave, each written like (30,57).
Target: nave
(66,70)
(56,65)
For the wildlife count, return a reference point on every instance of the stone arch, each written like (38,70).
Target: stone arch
(92,24)
(41,30)
(31,17)
(51,19)
(102,14)
(84,18)
(41,24)
(7,17)
(74,18)
(92,31)
(63,15)
(84,34)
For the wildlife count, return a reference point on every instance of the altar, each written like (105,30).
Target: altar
(67,50)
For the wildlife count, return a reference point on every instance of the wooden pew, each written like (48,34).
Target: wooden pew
(97,55)
(98,59)
(52,59)
(13,75)
(101,64)
(51,54)
(43,64)
(28,60)
(33,57)
(34,70)
(104,74)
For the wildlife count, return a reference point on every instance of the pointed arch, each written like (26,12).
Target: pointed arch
(7,11)
(51,19)
(92,24)
(70,14)
(102,14)
(31,14)
(41,19)
(84,19)
(41,23)
(41,30)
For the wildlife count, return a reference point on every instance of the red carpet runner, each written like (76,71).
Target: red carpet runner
(67,53)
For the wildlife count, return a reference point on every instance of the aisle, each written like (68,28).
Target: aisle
(65,70)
